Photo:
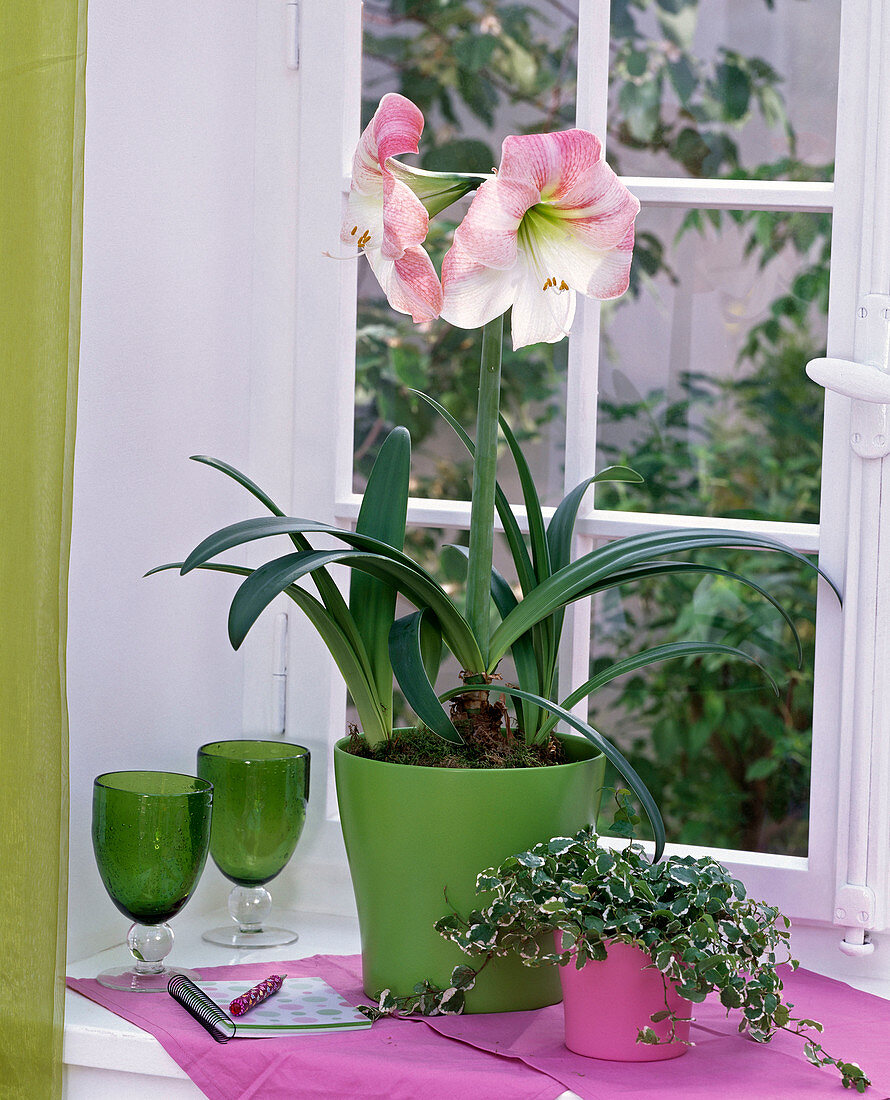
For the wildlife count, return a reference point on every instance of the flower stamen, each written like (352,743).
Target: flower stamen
(364,239)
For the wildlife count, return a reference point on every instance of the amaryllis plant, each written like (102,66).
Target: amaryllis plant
(553,221)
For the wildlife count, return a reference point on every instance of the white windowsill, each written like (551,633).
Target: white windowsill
(107,1058)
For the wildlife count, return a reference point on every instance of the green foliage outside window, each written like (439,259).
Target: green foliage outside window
(731,766)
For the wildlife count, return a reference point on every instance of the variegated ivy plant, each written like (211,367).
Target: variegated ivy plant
(552,222)
(702,931)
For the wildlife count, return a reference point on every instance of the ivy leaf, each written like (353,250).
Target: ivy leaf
(603,861)
(451,1003)
(680,873)
(463,977)
(731,997)
(529,859)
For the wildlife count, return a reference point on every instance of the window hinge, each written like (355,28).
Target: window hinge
(854,908)
(292,32)
(279,676)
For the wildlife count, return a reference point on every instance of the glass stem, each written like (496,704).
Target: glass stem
(149,946)
(141,967)
(484,482)
(249,907)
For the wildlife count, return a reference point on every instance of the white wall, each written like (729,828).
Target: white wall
(165,358)
(189,346)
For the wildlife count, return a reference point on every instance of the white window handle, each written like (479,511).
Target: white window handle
(861,381)
(866,383)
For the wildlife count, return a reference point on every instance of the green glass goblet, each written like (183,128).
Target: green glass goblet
(151,833)
(260,791)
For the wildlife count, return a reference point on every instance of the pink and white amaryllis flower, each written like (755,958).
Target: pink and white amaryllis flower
(554,222)
(384,217)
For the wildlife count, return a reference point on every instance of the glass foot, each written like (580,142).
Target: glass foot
(230,936)
(125,977)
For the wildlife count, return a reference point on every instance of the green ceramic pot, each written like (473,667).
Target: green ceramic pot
(414,833)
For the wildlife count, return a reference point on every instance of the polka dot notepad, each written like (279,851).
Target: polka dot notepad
(306,1005)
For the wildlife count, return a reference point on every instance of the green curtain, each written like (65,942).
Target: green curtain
(42,65)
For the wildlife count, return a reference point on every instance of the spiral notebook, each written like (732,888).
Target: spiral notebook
(304,1006)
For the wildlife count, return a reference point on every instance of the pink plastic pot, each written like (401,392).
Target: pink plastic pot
(606,1003)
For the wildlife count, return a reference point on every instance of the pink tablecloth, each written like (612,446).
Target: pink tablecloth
(508,1056)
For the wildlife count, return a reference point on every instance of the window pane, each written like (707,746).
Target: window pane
(726,759)
(395,357)
(702,383)
(724,88)
(478,71)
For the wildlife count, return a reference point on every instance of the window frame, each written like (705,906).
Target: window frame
(804,887)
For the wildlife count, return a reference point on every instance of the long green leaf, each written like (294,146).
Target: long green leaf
(571,582)
(561,527)
(431,647)
(262,527)
(667,652)
(522,650)
(407,663)
(327,589)
(250,530)
(351,660)
(606,747)
(664,568)
(242,479)
(374,719)
(536,530)
(266,582)
(512,532)
(546,635)
(384,510)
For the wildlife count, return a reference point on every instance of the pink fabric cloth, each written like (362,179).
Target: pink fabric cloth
(508,1055)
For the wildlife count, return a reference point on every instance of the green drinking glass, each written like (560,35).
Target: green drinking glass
(151,834)
(260,791)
